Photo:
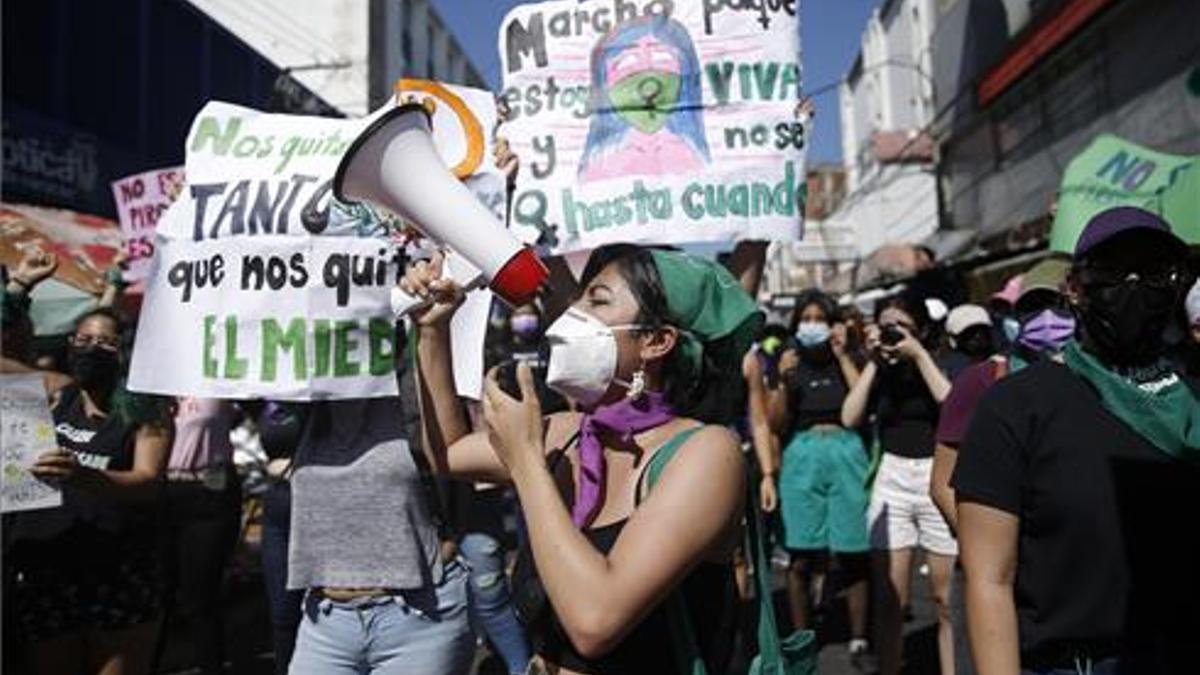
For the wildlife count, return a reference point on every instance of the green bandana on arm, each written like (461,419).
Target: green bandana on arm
(717,318)
(1164,412)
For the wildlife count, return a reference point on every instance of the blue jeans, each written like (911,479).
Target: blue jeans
(283,604)
(491,604)
(416,632)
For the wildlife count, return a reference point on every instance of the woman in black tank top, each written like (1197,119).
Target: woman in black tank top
(649,351)
(86,589)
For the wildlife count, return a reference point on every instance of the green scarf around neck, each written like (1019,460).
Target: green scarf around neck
(1165,411)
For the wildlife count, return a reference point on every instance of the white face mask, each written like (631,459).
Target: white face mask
(583,356)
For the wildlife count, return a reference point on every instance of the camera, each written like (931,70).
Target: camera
(507,375)
(890,335)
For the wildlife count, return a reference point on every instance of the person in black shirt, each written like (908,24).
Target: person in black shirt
(822,482)
(1075,481)
(87,592)
(904,386)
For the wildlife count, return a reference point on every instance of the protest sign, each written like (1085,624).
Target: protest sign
(1115,172)
(654,121)
(26,432)
(141,199)
(262,284)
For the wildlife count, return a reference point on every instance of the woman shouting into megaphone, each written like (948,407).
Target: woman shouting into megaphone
(634,497)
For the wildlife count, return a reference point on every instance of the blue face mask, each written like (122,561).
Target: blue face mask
(812,333)
(1011,328)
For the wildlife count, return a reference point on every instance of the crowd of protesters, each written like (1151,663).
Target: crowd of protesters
(1036,457)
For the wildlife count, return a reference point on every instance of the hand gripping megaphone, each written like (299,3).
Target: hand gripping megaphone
(394,164)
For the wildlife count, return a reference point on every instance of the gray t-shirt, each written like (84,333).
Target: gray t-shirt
(360,512)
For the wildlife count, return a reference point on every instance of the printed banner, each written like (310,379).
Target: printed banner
(665,121)
(262,284)
(27,433)
(141,199)
(1115,172)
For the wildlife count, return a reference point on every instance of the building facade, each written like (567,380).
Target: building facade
(1025,85)
(350,52)
(887,104)
(96,91)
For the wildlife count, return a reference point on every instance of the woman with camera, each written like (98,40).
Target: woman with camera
(902,387)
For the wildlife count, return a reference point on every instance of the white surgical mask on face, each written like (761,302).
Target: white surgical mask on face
(583,356)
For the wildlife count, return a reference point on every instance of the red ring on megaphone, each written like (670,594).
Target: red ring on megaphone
(520,278)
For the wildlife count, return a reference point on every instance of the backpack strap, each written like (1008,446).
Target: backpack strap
(658,463)
(683,638)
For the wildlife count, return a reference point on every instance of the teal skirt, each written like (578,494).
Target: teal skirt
(822,492)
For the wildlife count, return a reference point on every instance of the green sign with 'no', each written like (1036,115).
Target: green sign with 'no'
(1115,172)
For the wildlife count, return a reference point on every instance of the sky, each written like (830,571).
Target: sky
(831,36)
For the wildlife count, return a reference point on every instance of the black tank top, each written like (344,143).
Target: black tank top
(100,443)
(711,600)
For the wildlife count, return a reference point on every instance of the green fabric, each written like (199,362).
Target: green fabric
(1112,171)
(1049,274)
(1168,417)
(794,655)
(1016,364)
(1179,205)
(719,318)
(876,458)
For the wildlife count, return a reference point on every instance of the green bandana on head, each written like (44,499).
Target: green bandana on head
(1164,410)
(718,318)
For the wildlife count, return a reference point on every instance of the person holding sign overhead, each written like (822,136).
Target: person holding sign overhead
(653,339)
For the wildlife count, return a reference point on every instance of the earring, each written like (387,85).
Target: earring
(637,384)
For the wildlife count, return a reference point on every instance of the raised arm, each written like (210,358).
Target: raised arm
(854,408)
(599,598)
(762,435)
(450,446)
(912,349)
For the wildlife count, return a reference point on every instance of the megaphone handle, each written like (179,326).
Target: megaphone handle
(405,303)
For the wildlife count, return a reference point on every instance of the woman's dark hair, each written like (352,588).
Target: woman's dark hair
(105,312)
(908,303)
(775,330)
(815,296)
(686,394)
(131,408)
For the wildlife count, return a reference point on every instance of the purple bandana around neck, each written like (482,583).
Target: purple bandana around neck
(624,418)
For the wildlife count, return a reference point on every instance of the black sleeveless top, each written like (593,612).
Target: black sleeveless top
(711,599)
(816,390)
(709,592)
(104,443)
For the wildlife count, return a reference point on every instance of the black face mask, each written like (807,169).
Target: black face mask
(94,367)
(976,343)
(1126,322)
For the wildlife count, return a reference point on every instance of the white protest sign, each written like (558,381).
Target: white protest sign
(141,200)
(262,285)
(26,432)
(655,121)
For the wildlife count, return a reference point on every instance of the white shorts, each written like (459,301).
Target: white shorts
(902,514)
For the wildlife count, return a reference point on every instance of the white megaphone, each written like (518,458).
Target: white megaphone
(394,164)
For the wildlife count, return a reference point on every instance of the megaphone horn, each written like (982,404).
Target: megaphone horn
(394,164)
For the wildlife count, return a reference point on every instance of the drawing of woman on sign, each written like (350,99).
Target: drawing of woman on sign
(648,117)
